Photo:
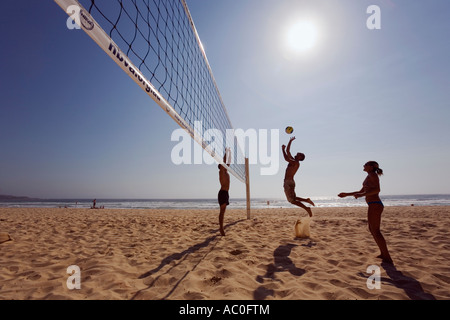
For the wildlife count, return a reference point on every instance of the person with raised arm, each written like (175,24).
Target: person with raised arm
(223,196)
(289,183)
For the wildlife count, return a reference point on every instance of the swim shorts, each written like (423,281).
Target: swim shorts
(223,197)
(289,190)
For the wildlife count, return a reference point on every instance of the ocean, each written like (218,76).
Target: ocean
(257,203)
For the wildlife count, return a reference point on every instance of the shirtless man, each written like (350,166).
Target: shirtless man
(223,196)
(289,183)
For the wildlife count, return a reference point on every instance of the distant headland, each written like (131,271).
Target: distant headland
(16,198)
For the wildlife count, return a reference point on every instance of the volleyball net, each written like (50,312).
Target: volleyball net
(156,43)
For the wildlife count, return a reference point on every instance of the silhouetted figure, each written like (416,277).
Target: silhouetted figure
(223,196)
(289,183)
(371,190)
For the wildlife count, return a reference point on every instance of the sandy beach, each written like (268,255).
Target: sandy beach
(180,255)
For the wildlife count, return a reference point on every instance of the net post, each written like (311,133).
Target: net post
(247,187)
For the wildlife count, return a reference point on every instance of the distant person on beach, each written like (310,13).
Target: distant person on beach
(289,183)
(94,203)
(371,190)
(223,196)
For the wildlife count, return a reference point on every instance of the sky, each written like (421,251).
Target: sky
(74,125)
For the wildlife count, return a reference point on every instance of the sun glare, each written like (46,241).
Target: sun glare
(302,36)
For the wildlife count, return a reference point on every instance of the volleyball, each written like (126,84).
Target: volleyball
(289,130)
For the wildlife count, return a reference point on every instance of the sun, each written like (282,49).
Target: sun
(302,36)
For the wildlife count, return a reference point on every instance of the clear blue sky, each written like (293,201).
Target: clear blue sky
(67,132)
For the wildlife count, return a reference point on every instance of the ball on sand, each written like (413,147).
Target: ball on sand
(289,130)
(302,228)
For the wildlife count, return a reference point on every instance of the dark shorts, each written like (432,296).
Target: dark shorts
(375,202)
(223,197)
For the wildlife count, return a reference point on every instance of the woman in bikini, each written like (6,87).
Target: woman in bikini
(371,190)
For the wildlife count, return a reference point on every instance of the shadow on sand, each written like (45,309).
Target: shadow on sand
(411,286)
(180,257)
(282,263)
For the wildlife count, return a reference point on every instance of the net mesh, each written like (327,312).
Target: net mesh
(159,37)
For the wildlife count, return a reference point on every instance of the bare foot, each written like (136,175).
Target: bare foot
(310,202)
(222,232)
(387,259)
(309,211)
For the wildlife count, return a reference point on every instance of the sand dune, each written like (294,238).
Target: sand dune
(179,254)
